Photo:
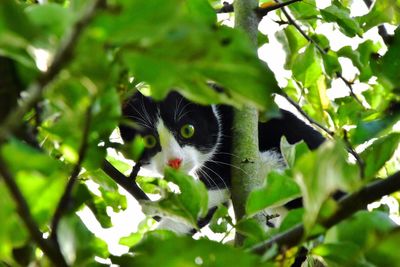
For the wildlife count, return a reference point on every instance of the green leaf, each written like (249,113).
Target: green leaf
(385,252)
(321,173)
(291,153)
(305,11)
(364,229)
(339,254)
(189,204)
(202,11)
(292,218)
(361,57)
(220,219)
(155,249)
(252,229)
(131,240)
(307,66)
(349,111)
(79,246)
(341,15)
(292,41)
(52,19)
(377,154)
(211,53)
(367,130)
(387,68)
(331,63)
(12,18)
(148,184)
(381,12)
(40,178)
(12,230)
(19,156)
(99,209)
(271,194)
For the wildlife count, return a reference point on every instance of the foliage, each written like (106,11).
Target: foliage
(67,65)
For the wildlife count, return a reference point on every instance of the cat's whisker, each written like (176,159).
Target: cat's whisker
(184,114)
(139,121)
(177,105)
(182,110)
(218,176)
(209,179)
(231,165)
(142,118)
(226,153)
(146,114)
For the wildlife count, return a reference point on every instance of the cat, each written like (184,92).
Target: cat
(197,139)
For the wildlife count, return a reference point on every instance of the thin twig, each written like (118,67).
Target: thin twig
(305,115)
(66,197)
(359,160)
(62,57)
(350,86)
(48,247)
(347,206)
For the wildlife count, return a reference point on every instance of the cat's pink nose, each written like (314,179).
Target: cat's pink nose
(174,163)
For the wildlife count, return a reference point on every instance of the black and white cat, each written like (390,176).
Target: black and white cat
(197,140)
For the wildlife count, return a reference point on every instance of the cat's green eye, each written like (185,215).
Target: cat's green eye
(149,141)
(187,131)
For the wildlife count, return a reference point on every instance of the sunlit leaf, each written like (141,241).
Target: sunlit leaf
(271,193)
(364,229)
(79,245)
(307,66)
(153,250)
(188,205)
(321,173)
(341,15)
(379,152)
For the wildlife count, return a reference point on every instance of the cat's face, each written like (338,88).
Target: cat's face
(176,132)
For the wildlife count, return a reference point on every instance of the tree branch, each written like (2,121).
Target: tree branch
(347,206)
(128,184)
(50,249)
(62,57)
(66,197)
(263,11)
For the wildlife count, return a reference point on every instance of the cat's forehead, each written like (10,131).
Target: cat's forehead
(175,108)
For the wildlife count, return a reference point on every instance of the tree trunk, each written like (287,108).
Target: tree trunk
(245,176)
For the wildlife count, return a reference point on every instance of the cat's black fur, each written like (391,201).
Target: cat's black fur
(216,172)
